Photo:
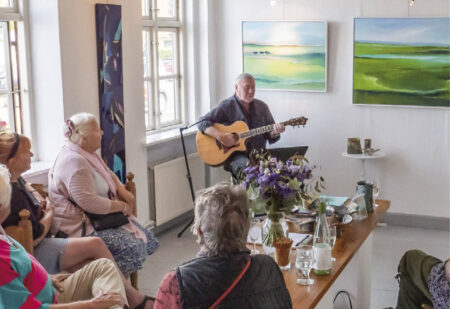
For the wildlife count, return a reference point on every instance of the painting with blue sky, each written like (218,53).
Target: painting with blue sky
(286,55)
(402,61)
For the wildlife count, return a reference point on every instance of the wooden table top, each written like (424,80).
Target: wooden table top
(353,235)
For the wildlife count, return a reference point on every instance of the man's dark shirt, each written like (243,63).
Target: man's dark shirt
(231,110)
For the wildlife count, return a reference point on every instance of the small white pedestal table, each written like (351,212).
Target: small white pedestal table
(363,157)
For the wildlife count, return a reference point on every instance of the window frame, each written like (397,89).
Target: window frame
(14,79)
(17,14)
(152,25)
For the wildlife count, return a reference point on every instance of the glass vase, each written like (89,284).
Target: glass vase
(274,227)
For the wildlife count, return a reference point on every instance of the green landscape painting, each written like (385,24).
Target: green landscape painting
(402,61)
(286,55)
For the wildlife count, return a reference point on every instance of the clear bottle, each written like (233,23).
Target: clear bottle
(322,249)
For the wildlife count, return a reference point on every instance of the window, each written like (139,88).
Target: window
(13,112)
(162,66)
(9,4)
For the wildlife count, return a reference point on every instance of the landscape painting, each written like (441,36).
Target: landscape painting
(402,61)
(286,55)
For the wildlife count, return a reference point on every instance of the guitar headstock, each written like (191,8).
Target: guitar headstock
(299,121)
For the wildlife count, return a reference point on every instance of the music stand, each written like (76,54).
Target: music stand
(188,176)
(188,172)
(285,153)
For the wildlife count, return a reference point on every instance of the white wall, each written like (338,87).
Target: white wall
(46,86)
(65,51)
(415,174)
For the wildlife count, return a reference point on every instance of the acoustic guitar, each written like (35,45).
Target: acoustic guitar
(215,153)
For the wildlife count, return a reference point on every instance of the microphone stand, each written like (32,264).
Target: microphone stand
(188,174)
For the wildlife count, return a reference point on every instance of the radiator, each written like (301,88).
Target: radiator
(170,195)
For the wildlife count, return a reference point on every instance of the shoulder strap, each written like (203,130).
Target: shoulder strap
(231,287)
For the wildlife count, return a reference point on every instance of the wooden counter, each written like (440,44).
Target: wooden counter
(353,236)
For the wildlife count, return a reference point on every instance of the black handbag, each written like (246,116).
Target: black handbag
(108,221)
(102,222)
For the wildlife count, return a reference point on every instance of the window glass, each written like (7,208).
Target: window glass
(147,53)
(148,105)
(3,58)
(167,105)
(166,52)
(6,3)
(146,8)
(4,112)
(161,57)
(166,8)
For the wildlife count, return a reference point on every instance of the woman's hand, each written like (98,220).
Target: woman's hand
(106,300)
(124,207)
(49,210)
(127,209)
(46,221)
(57,281)
(126,196)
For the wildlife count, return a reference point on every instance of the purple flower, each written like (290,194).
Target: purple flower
(293,170)
(264,180)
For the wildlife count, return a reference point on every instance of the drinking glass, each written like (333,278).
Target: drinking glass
(304,262)
(254,233)
(332,239)
(376,191)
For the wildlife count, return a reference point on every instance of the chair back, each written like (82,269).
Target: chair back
(23,232)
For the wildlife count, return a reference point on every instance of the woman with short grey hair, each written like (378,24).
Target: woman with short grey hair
(221,219)
(224,274)
(80,183)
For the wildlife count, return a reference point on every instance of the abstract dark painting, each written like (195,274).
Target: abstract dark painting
(110,86)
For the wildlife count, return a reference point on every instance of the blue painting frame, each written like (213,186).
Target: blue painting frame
(108,21)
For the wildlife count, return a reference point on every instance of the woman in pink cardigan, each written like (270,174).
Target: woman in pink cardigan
(81,182)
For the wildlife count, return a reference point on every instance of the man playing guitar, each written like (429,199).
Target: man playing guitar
(241,106)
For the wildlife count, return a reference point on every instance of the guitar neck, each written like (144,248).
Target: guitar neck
(257,131)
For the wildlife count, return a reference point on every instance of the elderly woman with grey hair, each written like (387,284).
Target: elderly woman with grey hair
(224,274)
(80,183)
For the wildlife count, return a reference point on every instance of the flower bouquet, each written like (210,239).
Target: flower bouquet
(275,187)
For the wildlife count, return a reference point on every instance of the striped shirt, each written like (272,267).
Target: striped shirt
(24,283)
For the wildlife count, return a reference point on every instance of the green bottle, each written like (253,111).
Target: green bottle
(322,249)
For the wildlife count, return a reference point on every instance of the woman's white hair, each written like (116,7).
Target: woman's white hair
(5,188)
(222,217)
(77,126)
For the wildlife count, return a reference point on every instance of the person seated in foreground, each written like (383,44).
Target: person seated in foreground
(81,182)
(54,254)
(24,283)
(221,225)
(424,281)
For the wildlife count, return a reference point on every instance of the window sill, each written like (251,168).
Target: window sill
(38,168)
(156,138)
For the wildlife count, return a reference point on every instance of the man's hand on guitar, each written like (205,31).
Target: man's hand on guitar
(277,129)
(227,139)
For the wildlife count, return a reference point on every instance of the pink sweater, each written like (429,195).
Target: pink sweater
(73,176)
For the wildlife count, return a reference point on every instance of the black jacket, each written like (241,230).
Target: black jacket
(203,280)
